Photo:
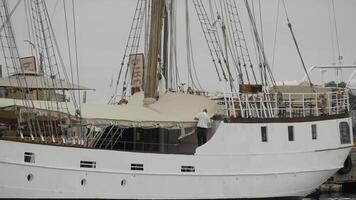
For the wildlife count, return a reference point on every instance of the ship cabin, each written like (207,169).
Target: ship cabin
(33,103)
(281,104)
(31,83)
(168,126)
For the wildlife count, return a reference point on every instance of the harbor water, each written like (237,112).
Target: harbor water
(335,196)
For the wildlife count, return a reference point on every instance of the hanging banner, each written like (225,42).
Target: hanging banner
(28,64)
(136,63)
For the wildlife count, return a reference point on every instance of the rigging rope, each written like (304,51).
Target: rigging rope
(173,47)
(275,35)
(54,9)
(190,56)
(338,45)
(331,33)
(261,23)
(61,62)
(131,45)
(42,35)
(68,47)
(76,54)
(257,54)
(336,33)
(243,45)
(12,50)
(44,30)
(297,47)
(264,67)
(10,14)
(32,47)
(210,37)
(230,30)
(54,43)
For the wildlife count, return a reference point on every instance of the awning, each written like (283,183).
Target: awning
(172,110)
(38,81)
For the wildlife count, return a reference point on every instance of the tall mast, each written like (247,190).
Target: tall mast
(153,51)
(165,46)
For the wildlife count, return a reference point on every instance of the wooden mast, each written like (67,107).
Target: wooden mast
(153,51)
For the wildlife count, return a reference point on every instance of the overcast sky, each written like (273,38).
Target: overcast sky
(103,26)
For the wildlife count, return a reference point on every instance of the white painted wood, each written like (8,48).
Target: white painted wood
(234,163)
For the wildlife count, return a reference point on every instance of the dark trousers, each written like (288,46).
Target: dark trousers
(201,133)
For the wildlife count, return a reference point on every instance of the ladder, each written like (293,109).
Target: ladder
(239,40)
(212,39)
(132,43)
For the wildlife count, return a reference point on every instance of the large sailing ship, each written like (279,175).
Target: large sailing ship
(264,142)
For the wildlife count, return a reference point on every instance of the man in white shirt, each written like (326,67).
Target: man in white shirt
(202,126)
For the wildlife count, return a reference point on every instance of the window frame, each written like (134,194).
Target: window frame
(344,131)
(29,157)
(291,137)
(87,164)
(314,130)
(187,168)
(137,167)
(264,135)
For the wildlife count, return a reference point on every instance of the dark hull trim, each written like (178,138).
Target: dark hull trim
(287,120)
(271,198)
(82,147)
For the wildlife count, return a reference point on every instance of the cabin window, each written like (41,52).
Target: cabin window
(345,133)
(314,132)
(137,167)
(264,134)
(29,157)
(291,133)
(186,168)
(87,164)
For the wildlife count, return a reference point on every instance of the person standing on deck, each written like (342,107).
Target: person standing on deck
(202,126)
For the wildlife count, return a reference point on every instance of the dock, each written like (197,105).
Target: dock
(342,182)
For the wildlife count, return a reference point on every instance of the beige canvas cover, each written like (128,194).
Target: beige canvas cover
(172,110)
(37,81)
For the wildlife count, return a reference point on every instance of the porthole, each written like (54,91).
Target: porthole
(83,182)
(30,177)
(123,182)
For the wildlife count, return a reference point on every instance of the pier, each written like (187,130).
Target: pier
(342,182)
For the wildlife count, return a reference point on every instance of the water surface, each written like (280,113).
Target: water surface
(335,196)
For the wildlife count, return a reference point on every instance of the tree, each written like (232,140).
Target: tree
(333,84)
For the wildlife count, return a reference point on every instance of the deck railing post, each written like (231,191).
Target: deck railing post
(233,105)
(303,104)
(257,106)
(346,101)
(337,103)
(290,105)
(316,105)
(247,105)
(276,104)
(330,103)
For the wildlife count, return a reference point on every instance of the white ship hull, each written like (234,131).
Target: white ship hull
(234,163)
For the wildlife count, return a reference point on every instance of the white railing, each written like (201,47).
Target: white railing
(283,105)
